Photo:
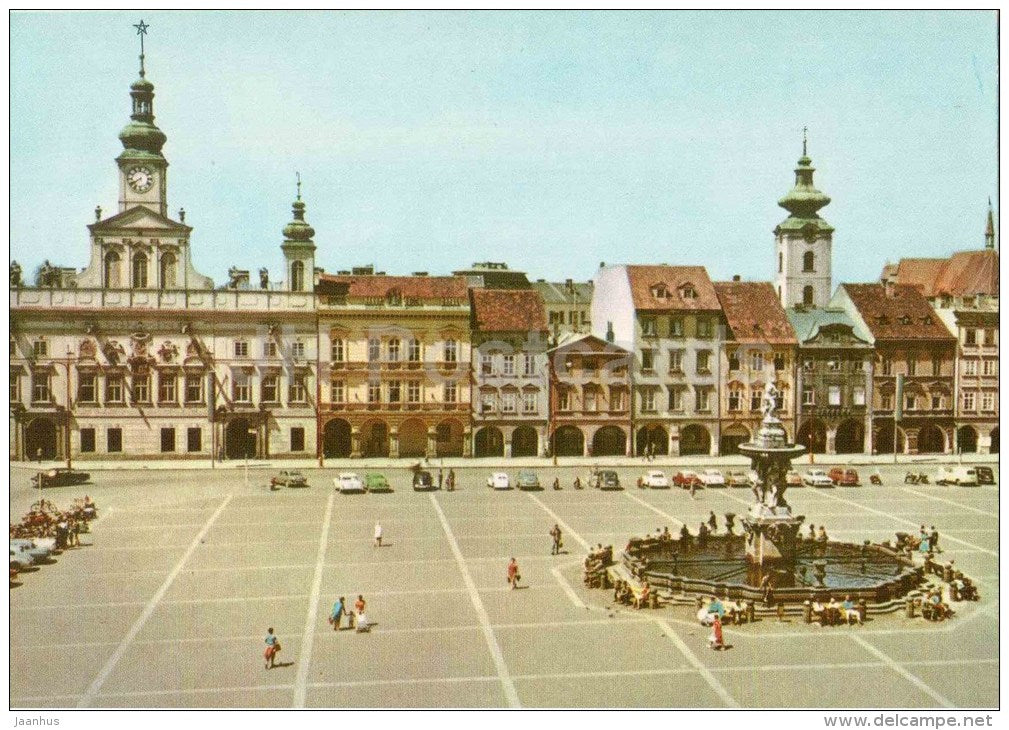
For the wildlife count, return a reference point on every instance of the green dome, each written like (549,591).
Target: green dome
(142,84)
(142,136)
(298,229)
(804,200)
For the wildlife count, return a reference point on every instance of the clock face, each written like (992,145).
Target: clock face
(140,179)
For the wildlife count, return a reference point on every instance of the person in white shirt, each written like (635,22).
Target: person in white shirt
(378,535)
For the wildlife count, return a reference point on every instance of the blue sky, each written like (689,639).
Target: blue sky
(552,141)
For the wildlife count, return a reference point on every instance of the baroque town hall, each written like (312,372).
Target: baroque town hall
(139,356)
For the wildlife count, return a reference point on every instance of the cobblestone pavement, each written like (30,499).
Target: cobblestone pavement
(168,605)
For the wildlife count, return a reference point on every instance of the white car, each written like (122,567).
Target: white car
(962,476)
(349,483)
(817,478)
(498,480)
(655,480)
(712,478)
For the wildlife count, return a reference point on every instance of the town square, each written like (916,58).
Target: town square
(469,362)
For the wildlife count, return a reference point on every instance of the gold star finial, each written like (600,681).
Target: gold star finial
(141,31)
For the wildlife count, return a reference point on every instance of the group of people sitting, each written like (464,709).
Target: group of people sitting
(732,612)
(596,563)
(624,593)
(933,608)
(833,613)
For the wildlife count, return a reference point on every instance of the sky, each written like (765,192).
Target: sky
(552,141)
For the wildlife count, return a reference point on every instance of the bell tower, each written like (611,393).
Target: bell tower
(803,242)
(299,250)
(143,170)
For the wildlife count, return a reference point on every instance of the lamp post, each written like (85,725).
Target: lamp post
(66,362)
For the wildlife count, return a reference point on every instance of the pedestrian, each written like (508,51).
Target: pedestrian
(362,620)
(716,641)
(555,533)
(933,540)
(337,614)
(272,647)
(378,534)
(38,455)
(513,574)
(451,480)
(439,477)
(713,521)
(693,487)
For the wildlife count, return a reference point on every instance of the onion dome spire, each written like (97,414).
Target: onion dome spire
(298,231)
(804,200)
(141,135)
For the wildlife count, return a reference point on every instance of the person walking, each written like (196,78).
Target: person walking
(716,641)
(451,480)
(378,534)
(933,540)
(337,614)
(555,533)
(513,574)
(362,619)
(693,487)
(713,521)
(272,647)
(440,477)
(557,483)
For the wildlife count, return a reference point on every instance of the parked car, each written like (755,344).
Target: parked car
(712,478)
(375,482)
(21,559)
(606,479)
(843,477)
(962,476)
(738,479)
(686,478)
(423,481)
(985,475)
(40,552)
(527,480)
(60,477)
(792,479)
(289,478)
(349,483)
(498,480)
(655,480)
(817,478)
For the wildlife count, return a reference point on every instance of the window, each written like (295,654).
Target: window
(87,440)
(887,366)
(834,365)
(508,402)
(194,388)
(834,395)
(297,436)
(910,402)
(703,362)
(528,364)
(296,390)
(241,348)
(733,360)
(618,399)
(241,390)
(807,261)
(858,395)
(649,327)
(989,338)
(886,402)
(450,393)
(194,440)
(414,351)
(807,295)
(807,365)
(40,348)
(139,271)
(779,361)
(589,399)
(676,399)
(167,440)
(529,402)
(779,400)
(756,396)
(394,349)
(112,270)
(780,262)
(648,400)
(269,348)
(988,401)
(508,365)
(374,392)
(168,267)
(298,350)
(413,391)
(564,400)
(556,317)
(488,401)
(87,388)
(912,365)
(15,387)
(703,399)
(703,327)
(676,361)
(970,336)
(394,392)
(114,440)
(937,402)
(451,350)
(374,349)
(688,292)
(486,364)
(648,360)
(572,315)
(970,367)
(269,388)
(113,388)
(989,367)
(808,397)
(676,326)
(968,400)
(337,350)
(859,366)
(756,361)
(141,388)
(735,400)
(298,281)
(167,391)
(337,391)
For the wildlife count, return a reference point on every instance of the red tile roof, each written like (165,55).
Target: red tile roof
(965,273)
(905,316)
(508,310)
(754,313)
(429,288)
(662,287)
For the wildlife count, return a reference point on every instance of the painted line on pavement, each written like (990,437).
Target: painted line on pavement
(653,508)
(697,664)
(556,571)
(561,523)
(975,510)
(96,685)
(916,681)
(495,650)
(305,657)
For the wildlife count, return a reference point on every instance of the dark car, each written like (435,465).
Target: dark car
(60,477)
(423,481)
(527,480)
(985,475)
(607,479)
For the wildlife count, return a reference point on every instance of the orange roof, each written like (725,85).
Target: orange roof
(508,310)
(904,316)
(669,288)
(965,273)
(417,287)
(754,313)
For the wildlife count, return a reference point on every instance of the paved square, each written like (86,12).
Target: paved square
(169,604)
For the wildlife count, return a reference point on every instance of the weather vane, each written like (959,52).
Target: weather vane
(141,31)
(803,141)
(298,175)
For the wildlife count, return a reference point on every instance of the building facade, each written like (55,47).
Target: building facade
(568,306)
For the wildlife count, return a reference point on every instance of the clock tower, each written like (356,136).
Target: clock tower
(143,170)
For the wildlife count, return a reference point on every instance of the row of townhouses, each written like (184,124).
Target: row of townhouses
(139,355)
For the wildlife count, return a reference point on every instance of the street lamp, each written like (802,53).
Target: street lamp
(67,362)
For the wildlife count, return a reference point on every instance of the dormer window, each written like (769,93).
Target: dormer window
(926,320)
(883,319)
(660,291)
(394,297)
(687,291)
(905,319)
